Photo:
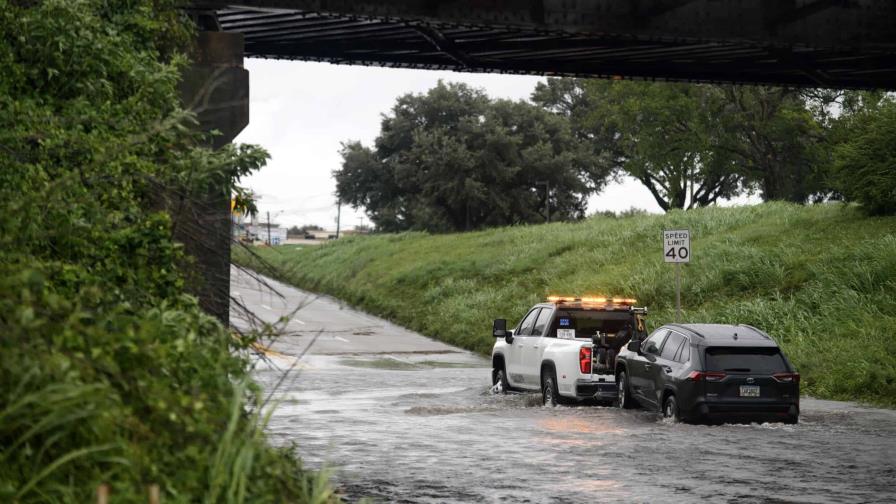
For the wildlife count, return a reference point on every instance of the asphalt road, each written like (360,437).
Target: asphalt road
(335,328)
(402,418)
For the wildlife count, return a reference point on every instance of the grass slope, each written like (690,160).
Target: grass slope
(820,279)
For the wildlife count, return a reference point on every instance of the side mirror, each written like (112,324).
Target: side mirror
(634,346)
(499,328)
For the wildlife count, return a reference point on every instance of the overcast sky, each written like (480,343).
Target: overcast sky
(301,112)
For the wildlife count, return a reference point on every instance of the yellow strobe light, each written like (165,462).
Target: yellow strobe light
(591,300)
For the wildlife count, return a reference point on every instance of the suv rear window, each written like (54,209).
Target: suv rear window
(745,360)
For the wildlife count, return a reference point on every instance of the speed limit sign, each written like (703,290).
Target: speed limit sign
(677,246)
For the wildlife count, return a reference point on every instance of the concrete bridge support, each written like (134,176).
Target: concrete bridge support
(216,88)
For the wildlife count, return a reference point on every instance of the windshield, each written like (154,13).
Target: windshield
(745,360)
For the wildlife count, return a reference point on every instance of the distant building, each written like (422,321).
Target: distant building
(259,232)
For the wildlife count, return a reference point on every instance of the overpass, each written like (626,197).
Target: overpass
(806,43)
(799,43)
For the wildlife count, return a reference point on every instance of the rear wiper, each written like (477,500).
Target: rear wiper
(738,369)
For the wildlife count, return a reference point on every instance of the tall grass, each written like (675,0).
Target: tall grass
(241,453)
(50,427)
(37,421)
(820,279)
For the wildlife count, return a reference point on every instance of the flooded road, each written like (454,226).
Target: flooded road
(401,418)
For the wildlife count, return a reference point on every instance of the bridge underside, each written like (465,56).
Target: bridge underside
(814,43)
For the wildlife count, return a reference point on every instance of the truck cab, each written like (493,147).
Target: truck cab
(565,348)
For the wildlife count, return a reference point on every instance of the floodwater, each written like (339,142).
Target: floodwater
(422,426)
(421,432)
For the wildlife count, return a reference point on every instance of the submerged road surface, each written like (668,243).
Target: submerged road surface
(403,418)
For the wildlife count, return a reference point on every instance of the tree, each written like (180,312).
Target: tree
(776,141)
(453,159)
(664,135)
(301,230)
(692,145)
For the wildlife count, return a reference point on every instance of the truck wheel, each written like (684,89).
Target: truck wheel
(670,408)
(625,399)
(550,396)
(500,385)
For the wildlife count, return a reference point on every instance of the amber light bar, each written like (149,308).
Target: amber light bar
(594,300)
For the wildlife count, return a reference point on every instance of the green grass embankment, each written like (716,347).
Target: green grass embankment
(820,279)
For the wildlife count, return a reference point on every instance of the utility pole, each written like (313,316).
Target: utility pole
(269,228)
(338,216)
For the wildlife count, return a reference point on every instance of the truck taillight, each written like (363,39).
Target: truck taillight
(585,360)
(713,376)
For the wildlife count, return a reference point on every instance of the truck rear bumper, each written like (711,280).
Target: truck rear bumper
(602,390)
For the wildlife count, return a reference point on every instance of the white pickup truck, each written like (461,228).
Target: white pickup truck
(566,347)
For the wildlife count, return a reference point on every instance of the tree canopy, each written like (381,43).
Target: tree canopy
(865,154)
(692,145)
(454,159)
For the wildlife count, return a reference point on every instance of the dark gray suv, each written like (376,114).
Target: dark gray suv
(711,373)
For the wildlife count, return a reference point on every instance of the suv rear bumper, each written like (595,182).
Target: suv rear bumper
(741,411)
(598,390)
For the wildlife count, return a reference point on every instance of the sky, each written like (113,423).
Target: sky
(302,111)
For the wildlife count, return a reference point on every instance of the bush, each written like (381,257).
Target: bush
(109,372)
(865,164)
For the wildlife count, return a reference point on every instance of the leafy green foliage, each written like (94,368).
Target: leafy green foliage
(691,145)
(865,160)
(777,143)
(109,372)
(820,279)
(452,159)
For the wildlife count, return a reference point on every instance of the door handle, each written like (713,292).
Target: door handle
(647,366)
(534,346)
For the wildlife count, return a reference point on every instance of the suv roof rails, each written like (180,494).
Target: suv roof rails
(688,329)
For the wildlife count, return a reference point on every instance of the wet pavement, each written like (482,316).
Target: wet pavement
(402,418)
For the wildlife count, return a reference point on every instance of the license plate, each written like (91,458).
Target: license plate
(749,391)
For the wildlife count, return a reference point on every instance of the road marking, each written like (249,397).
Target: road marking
(297,320)
(341,339)
(266,307)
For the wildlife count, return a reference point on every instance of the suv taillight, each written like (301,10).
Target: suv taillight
(712,376)
(585,360)
(787,377)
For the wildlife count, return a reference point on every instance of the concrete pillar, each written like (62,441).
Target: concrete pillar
(216,88)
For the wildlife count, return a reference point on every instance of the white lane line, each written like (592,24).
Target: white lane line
(266,307)
(341,339)
(297,320)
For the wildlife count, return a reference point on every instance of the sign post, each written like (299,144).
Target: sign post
(677,249)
